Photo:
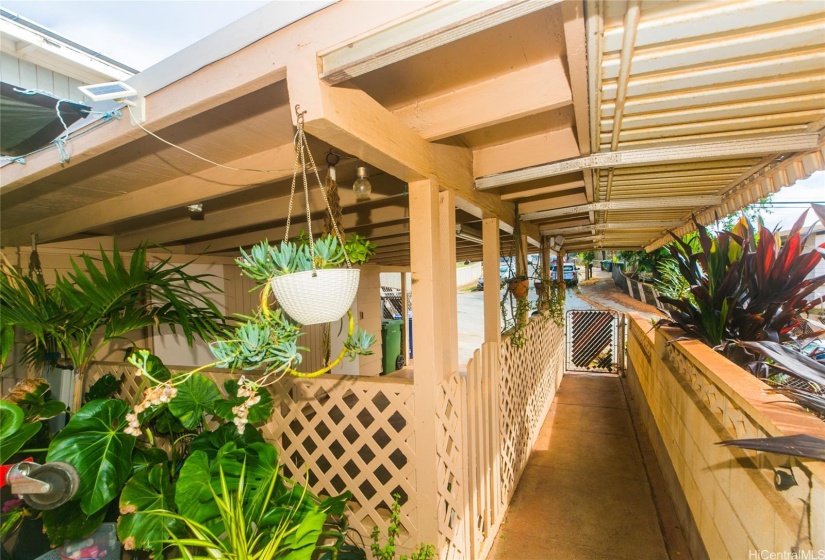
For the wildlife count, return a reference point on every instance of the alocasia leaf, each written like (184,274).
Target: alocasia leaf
(94,443)
(195,396)
(259,412)
(148,490)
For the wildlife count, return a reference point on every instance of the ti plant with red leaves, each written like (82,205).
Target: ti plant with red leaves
(744,286)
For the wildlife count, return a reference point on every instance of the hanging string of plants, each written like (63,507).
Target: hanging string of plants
(515,305)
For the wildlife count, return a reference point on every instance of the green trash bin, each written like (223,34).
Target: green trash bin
(391,345)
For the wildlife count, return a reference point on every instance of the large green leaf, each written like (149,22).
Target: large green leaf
(11,418)
(69,522)
(94,443)
(13,443)
(259,412)
(145,458)
(195,397)
(149,489)
(193,496)
(6,343)
(192,491)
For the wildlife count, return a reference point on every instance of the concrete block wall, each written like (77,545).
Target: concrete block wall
(692,398)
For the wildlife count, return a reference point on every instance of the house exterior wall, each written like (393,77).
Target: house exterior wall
(25,74)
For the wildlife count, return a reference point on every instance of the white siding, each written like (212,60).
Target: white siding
(24,74)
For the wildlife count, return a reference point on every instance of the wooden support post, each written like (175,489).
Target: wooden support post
(405,320)
(491,257)
(426,264)
(449,302)
(522,268)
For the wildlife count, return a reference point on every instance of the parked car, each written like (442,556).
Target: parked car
(570,274)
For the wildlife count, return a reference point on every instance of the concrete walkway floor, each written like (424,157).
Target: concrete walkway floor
(587,492)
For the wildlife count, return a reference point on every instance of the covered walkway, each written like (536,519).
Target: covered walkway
(591,488)
(592,484)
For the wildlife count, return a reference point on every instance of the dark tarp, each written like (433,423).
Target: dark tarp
(30,121)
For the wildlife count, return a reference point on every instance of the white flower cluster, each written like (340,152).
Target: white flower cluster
(248,389)
(152,396)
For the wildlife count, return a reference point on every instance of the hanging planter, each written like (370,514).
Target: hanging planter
(320,296)
(519,286)
(312,280)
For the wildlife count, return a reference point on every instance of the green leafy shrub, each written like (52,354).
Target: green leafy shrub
(387,552)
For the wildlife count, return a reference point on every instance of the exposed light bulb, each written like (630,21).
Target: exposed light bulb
(361,187)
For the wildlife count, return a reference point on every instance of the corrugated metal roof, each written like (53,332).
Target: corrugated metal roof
(681,73)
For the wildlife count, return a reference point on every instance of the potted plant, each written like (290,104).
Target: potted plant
(744,295)
(307,277)
(122,452)
(519,286)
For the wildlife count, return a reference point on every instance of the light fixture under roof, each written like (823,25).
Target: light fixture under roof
(120,92)
(109,90)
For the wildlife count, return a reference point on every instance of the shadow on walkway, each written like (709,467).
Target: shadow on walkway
(586,491)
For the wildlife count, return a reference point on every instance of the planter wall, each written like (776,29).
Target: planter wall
(692,398)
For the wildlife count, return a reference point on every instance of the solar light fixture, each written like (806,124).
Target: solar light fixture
(120,92)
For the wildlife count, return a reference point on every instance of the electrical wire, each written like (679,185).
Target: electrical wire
(207,160)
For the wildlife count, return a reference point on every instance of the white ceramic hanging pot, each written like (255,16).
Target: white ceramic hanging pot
(321,296)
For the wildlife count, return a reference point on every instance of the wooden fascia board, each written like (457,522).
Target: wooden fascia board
(432,27)
(175,193)
(658,155)
(254,67)
(521,93)
(700,201)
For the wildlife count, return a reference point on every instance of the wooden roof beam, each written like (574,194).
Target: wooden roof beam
(389,208)
(576,48)
(542,148)
(350,120)
(652,156)
(371,231)
(437,25)
(521,93)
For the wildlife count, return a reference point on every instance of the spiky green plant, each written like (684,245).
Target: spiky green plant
(744,286)
(104,299)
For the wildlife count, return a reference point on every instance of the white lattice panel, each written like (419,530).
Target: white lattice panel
(528,384)
(344,433)
(450,476)
(355,434)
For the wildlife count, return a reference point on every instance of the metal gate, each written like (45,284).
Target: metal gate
(594,341)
